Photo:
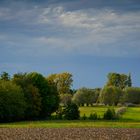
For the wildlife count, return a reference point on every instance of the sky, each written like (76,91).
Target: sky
(88,38)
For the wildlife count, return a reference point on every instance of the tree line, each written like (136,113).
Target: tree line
(117,90)
(31,96)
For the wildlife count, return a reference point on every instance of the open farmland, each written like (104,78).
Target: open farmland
(69,134)
(127,128)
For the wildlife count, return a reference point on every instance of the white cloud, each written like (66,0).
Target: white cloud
(79,20)
(91,31)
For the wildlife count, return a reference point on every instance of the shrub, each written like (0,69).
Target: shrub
(110,114)
(71,112)
(59,113)
(93,116)
(84,117)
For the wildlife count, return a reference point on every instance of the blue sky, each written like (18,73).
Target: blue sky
(88,38)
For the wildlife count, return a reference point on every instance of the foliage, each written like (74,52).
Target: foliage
(12,103)
(62,81)
(110,95)
(119,80)
(84,117)
(48,93)
(5,76)
(71,112)
(110,114)
(88,110)
(65,99)
(33,101)
(85,96)
(129,81)
(59,113)
(132,95)
(41,97)
(93,116)
(31,94)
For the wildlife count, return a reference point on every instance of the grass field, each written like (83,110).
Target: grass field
(132,113)
(88,110)
(77,123)
(131,119)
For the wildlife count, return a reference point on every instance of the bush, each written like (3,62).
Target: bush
(93,116)
(59,113)
(84,117)
(71,112)
(120,111)
(110,114)
(12,102)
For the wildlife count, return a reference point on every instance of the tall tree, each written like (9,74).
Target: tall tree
(31,94)
(48,93)
(12,102)
(5,76)
(62,81)
(118,80)
(110,95)
(86,96)
(129,81)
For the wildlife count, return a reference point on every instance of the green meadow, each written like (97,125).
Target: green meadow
(130,119)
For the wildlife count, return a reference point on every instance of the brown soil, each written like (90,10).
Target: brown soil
(69,134)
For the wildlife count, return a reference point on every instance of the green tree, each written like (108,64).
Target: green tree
(129,81)
(71,112)
(110,114)
(48,93)
(65,99)
(62,81)
(86,96)
(132,95)
(12,102)
(79,97)
(118,80)
(110,95)
(33,101)
(5,76)
(31,94)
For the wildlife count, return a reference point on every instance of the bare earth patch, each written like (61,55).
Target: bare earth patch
(69,134)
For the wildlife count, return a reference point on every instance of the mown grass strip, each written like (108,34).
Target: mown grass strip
(69,124)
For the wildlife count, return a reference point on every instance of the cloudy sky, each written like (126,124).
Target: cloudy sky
(88,38)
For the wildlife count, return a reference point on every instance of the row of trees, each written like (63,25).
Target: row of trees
(109,95)
(118,89)
(26,96)
(33,96)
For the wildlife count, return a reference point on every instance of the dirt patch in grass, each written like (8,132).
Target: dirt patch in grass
(69,134)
